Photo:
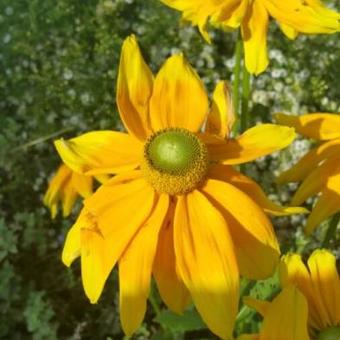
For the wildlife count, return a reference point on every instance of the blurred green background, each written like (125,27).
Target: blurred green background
(58,62)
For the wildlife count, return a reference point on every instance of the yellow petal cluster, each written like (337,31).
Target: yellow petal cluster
(319,169)
(194,244)
(253,16)
(309,303)
(65,186)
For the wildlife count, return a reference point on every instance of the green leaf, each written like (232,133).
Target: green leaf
(188,321)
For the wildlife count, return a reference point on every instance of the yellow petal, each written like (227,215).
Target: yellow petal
(301,169)
(221,117)
(179,98)
(254,33)
(260,306)
(121,209)
(231,14)
(293,271)
(249,337)
(206,262)
(255,243)
(323,126)
(68,198)
(256,142)
(94,264)
(82,184)
(171,287)
(327,205)
(102,151)
(286,318)
(135,267)
(326,282)
(71,248)
(289,32)
(316,180)
(303,17)
(134,89)
(55,188)
(227,174)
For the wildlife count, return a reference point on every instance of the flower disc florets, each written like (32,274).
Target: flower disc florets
(175,161)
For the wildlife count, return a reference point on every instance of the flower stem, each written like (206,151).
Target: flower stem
(237,75)
(333,224)
(245,99)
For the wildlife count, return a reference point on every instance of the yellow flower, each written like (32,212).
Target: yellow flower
(308,307)
(173,210)
(65,186)
(293,16)
(319,169)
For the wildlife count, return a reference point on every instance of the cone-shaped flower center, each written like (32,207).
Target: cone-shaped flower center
(331,333)
(175,161)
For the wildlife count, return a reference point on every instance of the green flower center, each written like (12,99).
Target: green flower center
(175,161)
(331,333)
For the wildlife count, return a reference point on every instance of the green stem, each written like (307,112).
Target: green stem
(237,75)
(245,99)
(42,139)
(333,224)
(153,302)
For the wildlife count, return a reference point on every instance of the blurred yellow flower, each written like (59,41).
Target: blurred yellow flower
(293,16)
(308,307)
(64,187)
(173,209)
(319,169)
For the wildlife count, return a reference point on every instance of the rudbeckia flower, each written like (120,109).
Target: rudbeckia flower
(293,16)
(308,306)
(65,187)
(319,169)
(173,210)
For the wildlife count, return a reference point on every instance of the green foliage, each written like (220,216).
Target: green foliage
(58,63)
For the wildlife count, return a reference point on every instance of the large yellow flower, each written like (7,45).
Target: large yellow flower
(64,187)
(293,16)
(319,169)
(173,209)
(308,307)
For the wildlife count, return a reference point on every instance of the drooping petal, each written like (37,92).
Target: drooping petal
(230,14)
(196,11)
(227,174)
(255,243)
(68,198)
(327,205)
(179,98)
(288,31)
(206,262)
(118,212)
(134,89)
(55,188)
(326,283)
(221,117)
(100,152)
(258,141)
(316,180)
(170,286)
(72,246)
(293,272)
(323,126)
(302,168)
(303,17)
(254,33)
(286,318)
(135,267)
(82,184)
(121,208)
